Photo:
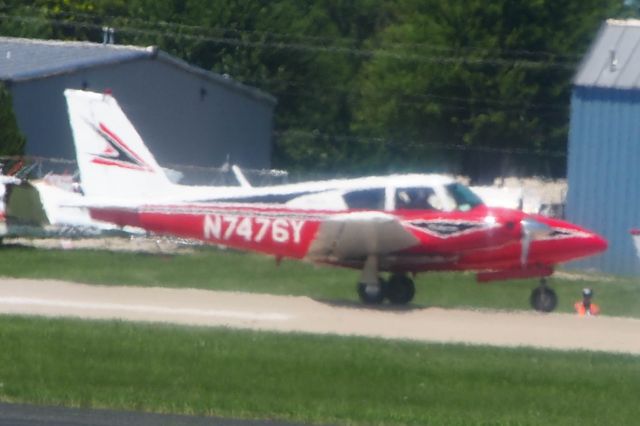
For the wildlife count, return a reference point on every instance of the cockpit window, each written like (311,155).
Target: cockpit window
(370,199)
(418,198)
(463,197)
(454,197)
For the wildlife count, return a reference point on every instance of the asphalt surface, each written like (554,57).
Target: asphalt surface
(33,415)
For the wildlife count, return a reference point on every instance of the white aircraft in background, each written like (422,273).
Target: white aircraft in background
(4,181)
(50,207)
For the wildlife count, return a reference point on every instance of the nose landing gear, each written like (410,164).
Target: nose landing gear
(543,298)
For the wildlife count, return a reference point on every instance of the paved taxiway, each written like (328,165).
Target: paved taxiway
(34,415)
(302,314)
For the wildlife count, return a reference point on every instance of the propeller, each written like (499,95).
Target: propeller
(531,230)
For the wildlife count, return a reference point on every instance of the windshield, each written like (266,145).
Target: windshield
(463,197)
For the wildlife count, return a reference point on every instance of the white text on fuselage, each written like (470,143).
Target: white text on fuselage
(255,229)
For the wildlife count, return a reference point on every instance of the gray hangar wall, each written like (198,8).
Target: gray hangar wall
(185,117)
(604,173)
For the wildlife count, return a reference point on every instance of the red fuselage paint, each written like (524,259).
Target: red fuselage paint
(482,239)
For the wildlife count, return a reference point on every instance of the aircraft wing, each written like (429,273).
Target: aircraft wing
(355,235)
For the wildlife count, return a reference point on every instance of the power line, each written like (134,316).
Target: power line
(450,103)
(452,146)
(113,21)
(326,39)
(410,99)
(306,47)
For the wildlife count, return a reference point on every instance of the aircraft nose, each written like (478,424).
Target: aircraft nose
(592,244)
(597,243)
(572,242)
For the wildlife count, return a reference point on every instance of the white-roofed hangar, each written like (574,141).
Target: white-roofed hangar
(185,114)
(603,168)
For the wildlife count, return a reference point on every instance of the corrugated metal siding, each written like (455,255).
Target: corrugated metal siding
(603,175)
(184,118)
(22,58)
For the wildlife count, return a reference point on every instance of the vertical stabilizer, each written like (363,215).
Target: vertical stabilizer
(113,160)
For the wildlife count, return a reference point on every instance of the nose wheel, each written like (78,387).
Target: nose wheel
(543,298)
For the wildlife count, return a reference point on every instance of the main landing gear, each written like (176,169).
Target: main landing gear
(543,298)
(399,289)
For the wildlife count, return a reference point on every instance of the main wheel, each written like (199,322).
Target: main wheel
(543,299)
(400,289)
(371,294)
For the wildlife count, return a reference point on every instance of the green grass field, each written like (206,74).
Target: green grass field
(209,268)
(318,379)
(306,378)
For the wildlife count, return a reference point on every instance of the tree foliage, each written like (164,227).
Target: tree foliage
(478,79)
(468,86)
(11,140)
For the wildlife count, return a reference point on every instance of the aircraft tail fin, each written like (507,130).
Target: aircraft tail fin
(112,157)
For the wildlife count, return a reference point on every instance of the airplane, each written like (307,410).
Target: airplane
(447,228)
(401,224)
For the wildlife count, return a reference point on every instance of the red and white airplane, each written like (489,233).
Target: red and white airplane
(403,224)
(466,236)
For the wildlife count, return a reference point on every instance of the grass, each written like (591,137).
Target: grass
(306,378)
(209,268)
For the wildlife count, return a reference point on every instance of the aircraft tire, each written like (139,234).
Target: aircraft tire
(543,299)
(370,296)
(400,289)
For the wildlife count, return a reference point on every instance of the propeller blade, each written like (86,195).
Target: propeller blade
(526,243)
(531,230)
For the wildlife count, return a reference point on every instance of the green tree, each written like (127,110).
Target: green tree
(11,140)
(307,54)
(476,78)
(23,20)
(367,86)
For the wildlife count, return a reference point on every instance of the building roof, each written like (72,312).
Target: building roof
(30,59)
(613,61)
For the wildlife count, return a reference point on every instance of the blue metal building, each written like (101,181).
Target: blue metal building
(604,145)
(185,114)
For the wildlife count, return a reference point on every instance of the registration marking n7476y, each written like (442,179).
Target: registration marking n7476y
(224,227)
